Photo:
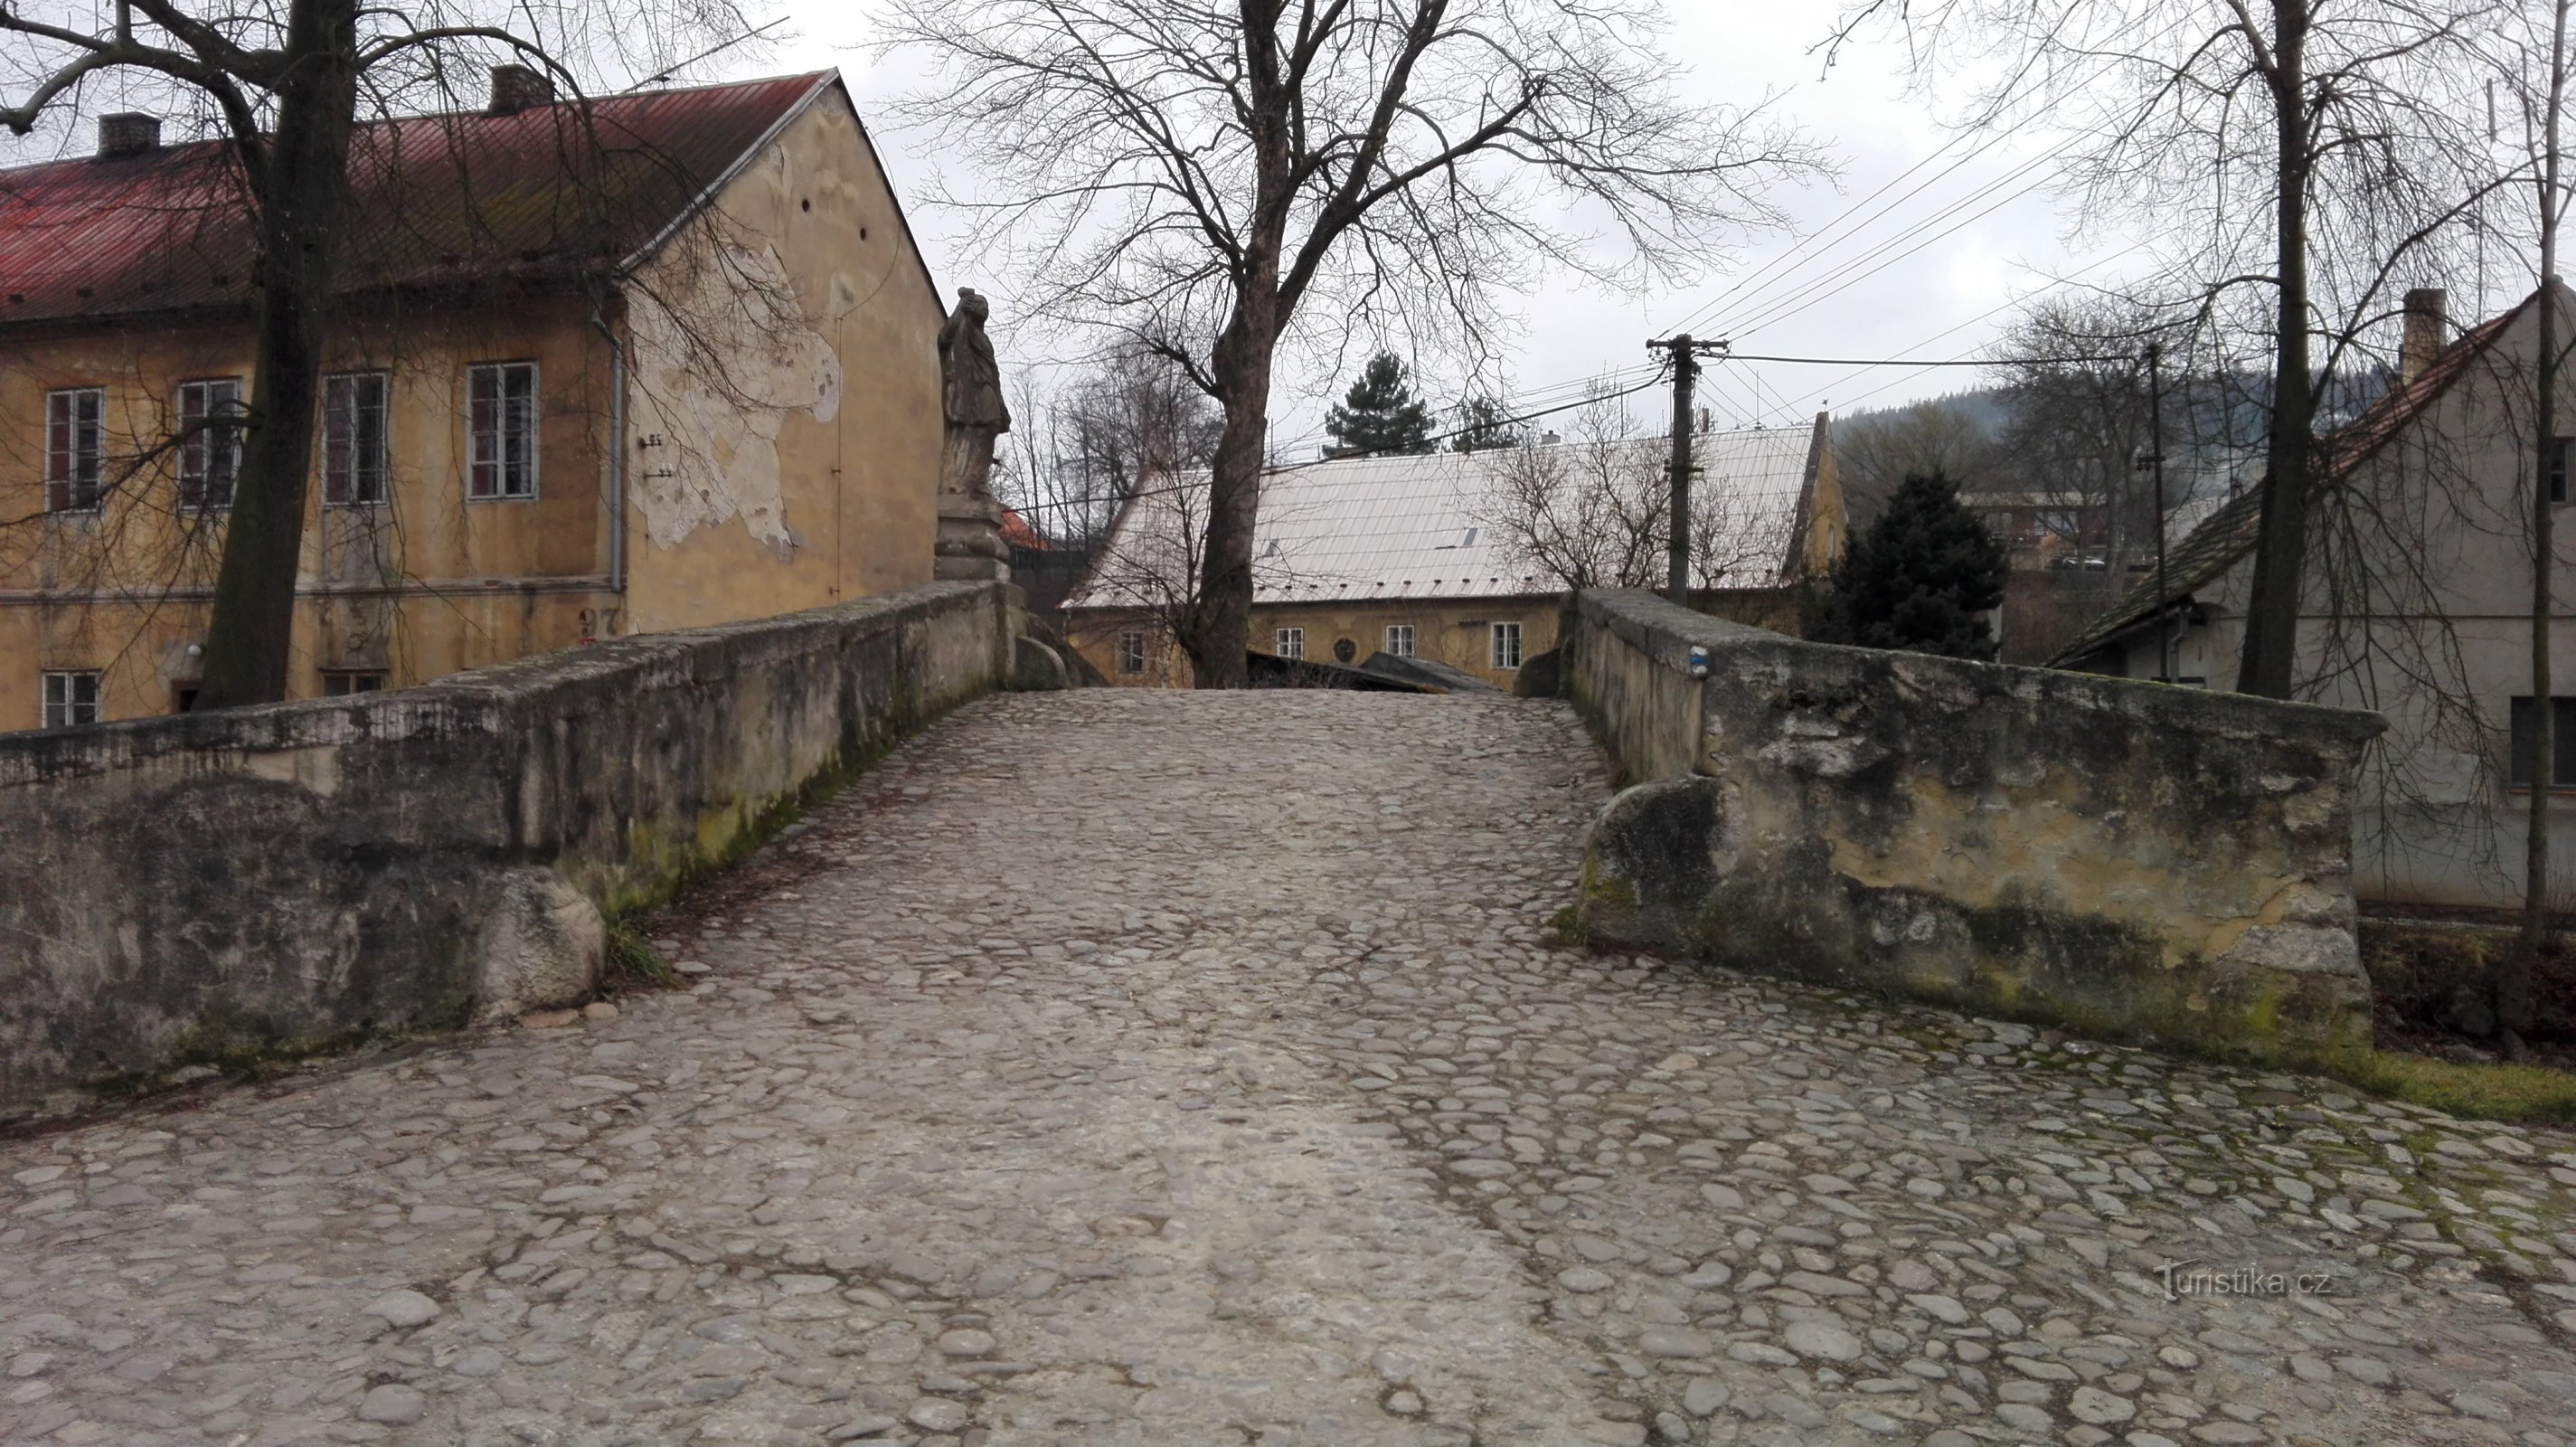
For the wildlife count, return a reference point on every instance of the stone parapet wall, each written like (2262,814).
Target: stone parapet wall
(2137,862)
(279,878)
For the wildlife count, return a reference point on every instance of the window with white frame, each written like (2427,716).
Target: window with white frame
(210,441)
(354,440)
(1292,643)
(71,699)
(502,407)
(341,682)
(1507,645)
(1399,640)
(75,448)
(1131,653)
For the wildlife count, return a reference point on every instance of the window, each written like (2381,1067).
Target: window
(1292,642)
(503,405)
(2558,468)
(2562,742)
(353,437)
(1507,645)
(340,683)
(74,448)
(1131,653)
(209,442)
(1399,639)
(71,699)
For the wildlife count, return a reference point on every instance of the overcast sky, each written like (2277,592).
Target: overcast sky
(1831,297)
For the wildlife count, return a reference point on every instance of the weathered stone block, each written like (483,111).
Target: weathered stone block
(1035,667)
(544,947)
(2138,862)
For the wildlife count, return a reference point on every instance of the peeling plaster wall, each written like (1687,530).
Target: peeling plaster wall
(721,365)
(2135,861)
(281,878)
(784,419)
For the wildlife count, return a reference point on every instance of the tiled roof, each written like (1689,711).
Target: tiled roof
(2232,531)
(546,194)
(1017,533)
(1421,526)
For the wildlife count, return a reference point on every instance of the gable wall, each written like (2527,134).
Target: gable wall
(786,356)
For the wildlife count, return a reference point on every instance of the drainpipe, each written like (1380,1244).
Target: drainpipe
(616,457)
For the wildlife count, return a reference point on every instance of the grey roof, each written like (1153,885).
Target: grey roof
(1420,526)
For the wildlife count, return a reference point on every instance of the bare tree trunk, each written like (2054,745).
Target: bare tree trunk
(2272,613)
(2515,1005)
(1240,364)
(1222,629)
(302,197)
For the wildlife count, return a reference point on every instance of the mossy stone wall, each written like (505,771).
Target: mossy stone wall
(2132,861)
(203,886)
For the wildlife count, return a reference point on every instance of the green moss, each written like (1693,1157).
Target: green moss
(727,837)
(2529,1094)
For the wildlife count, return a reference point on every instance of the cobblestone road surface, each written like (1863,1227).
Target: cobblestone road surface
(1126,1068)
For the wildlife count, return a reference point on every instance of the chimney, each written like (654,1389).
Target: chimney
(1549,439)
(128,133)
(2425,329)
(517,87)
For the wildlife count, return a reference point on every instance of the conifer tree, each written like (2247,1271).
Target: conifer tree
(1917,578)
(1483,426)
(1380,414)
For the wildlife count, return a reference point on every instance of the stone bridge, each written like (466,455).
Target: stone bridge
(1154,1068)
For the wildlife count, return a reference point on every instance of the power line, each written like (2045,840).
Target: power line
(1801,289)
(1884,255)
(1920,367)
(1818,235)
(1930,362)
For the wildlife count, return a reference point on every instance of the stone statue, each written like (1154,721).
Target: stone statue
(970,379)
(970,392)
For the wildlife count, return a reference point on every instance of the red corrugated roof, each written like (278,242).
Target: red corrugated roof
(437,201)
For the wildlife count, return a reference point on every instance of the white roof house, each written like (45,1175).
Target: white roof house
(1431,525)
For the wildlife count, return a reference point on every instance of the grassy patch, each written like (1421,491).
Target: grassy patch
(633,963)
(1564,929)
(2527,1094)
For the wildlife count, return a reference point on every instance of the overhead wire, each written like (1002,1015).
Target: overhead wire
(1816,237)
(1963,359)
(1773,310)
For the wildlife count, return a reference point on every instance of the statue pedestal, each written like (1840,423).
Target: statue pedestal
(970,542)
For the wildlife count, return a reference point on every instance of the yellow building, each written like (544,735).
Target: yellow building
(1464,558)
(638,363)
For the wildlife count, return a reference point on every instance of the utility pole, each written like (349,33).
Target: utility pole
(1686,353)
(2156,459)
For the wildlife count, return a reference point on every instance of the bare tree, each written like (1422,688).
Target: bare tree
(1594,511)
(2308,150)
(1591,512)
(1213,179)
(1878,450)
(2077,417)
(286,83)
